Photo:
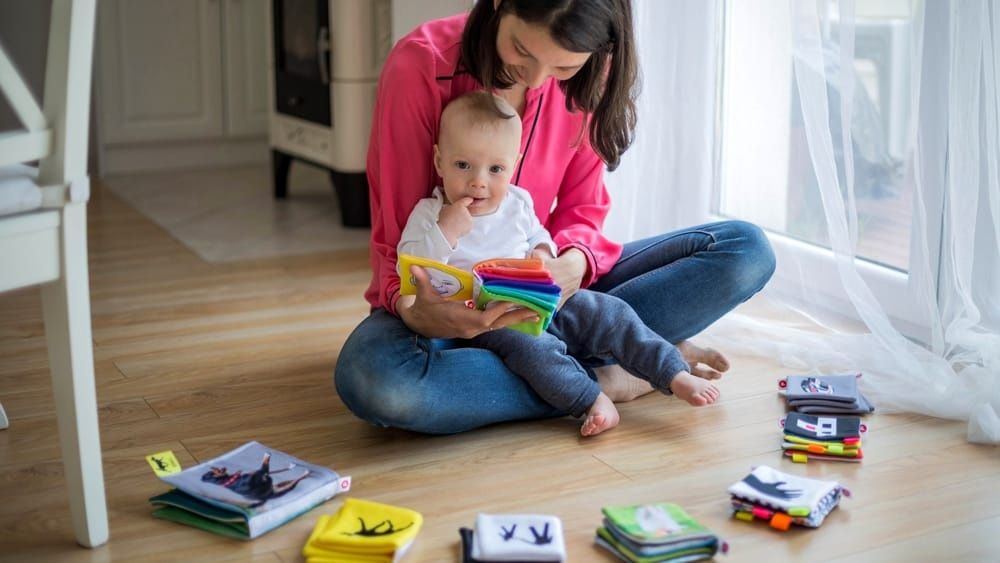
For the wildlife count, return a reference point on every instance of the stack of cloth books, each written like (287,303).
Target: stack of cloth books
(514,537)
(836,438)
(648,533)
(363,531)
(825,394)
(782,499)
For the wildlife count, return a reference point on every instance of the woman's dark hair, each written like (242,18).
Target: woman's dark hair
(606,86)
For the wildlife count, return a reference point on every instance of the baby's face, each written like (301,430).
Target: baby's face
(478,162)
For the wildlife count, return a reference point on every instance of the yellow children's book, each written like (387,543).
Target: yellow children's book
(448,281)
(363,531)
(522,281)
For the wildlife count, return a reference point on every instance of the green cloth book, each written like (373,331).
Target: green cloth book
(606,540)
(646,533)
(246,492)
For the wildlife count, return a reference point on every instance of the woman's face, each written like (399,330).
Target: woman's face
(530,54)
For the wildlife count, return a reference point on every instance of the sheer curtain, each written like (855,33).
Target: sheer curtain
(950,158)
(665,178)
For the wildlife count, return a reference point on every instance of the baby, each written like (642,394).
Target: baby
(477,214)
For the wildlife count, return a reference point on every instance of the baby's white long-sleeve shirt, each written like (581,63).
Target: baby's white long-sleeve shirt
(512,231)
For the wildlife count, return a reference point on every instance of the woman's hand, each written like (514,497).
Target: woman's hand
(433,316)
(567,270)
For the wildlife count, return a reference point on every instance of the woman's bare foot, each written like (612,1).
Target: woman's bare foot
(601,416)
(713,363)
(696,391)
(619,385)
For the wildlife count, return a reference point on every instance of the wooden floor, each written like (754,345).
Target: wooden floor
(199,358)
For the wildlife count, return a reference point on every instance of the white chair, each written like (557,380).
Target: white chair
(43,240)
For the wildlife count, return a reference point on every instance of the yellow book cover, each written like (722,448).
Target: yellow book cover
(449,281)
(364,527)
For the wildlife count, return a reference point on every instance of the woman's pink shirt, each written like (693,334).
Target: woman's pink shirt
(559,168)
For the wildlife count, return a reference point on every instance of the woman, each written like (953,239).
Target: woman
(569,68)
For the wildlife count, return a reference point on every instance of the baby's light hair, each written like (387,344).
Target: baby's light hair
(480,108)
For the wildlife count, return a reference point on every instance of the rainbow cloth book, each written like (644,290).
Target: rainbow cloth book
(522,281)
(246,492)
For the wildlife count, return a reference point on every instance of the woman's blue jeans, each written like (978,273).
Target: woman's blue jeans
(678,283)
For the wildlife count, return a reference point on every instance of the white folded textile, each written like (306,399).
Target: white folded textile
(18,190)
(518,537)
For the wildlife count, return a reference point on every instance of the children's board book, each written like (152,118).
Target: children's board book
(246,492)
(522,281)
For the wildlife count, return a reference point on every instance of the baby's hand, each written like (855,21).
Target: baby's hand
(455,221)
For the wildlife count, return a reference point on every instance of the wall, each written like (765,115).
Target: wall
(24,32)
(407,14)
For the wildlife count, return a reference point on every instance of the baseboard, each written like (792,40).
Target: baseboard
(119,159)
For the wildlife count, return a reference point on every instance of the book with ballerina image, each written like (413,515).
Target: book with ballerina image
(522,281)
(246,492)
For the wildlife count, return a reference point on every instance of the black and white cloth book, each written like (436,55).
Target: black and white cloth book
(823,428)
(518,537)
(825,394)
(768,487)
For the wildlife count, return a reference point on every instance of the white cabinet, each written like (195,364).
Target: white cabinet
(181,83)
(184,83)
(246,33)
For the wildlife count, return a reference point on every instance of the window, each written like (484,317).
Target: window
(764,168)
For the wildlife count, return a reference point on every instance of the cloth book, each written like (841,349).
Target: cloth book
(647,533)
(522,281)
(822,437)
(783,499)
(514,538)
(246,492)
(363,531)
(825,394)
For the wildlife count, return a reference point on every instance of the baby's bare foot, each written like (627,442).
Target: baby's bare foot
(601,416)
(619,385)
(713,362)
(695,390)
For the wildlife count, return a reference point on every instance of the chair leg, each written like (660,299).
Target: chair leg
(66,306)
(4,423)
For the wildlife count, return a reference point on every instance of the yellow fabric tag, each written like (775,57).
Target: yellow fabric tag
(164,463)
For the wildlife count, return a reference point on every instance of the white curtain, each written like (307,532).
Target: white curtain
(951,160)
(661,183)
